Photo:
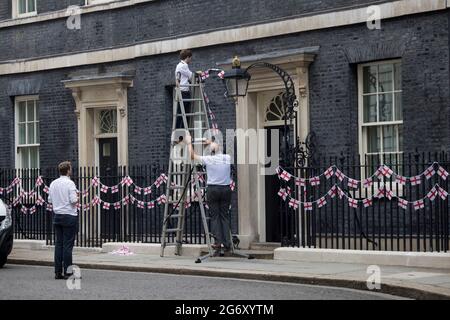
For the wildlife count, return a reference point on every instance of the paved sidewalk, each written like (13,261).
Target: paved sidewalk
(418,283)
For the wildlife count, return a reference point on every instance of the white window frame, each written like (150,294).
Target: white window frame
(95,2)
(17,146)
(15,9)
(362,139)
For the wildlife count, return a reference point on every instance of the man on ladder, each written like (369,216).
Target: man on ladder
(183,78)
(218,171)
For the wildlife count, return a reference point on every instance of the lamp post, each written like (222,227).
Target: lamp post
(237,81)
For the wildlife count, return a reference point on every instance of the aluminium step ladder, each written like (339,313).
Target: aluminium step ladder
(181,170)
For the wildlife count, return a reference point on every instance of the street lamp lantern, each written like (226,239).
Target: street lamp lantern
(237,80)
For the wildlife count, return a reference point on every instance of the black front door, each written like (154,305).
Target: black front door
(110,219)
(107,156)
(273,204)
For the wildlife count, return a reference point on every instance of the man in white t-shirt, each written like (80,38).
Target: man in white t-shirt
(63,196)
(218,170)
(183,78)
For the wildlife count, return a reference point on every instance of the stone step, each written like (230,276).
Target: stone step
(257,254)
(265,246)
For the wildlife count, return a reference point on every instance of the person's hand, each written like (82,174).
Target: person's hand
(208,142)
(188,138)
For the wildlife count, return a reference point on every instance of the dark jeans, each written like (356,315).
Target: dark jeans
(219,199)
(187,108)
(66,228)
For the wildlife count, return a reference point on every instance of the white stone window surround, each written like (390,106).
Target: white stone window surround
(30,9)
(30,140)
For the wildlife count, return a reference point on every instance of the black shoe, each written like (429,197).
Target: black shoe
(59,276)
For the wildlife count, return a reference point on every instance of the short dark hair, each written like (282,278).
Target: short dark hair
(64,168)
(185,53)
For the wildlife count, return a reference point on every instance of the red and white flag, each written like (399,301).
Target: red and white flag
(141,204)
(432,194)
(95,181)
(96,201)
(293,203)
(117,205)
(400,180)
(367,183)
(127,181)
(419,204)
(49,207)
(353,203)
(308,206)
(150,205)
(286,176)
(161,199)
(332,192)
(442,173)
(114,189)
(301,182)
(402,203)
(221,74)
(137,190)
(78,206)
(379,172)
(104,189)
(24,210)
(380,193)
(46,189)
(314,181)
(367,202)
(329,173)
(33,210)
(352,183)
(1,191)
(282,193)
(132,199)
(416,180)
(321,202)
(429,173)
(126,200)
(16,181)
(147,190)
(387,172)
(232,185)
(339,175)
(106,205)
(341,193)
(39,201)
(389,194)
(442,193)
(187,204)
(39,181)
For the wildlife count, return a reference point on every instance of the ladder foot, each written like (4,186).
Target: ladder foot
(198,261)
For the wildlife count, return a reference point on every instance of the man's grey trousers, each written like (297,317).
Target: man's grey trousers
(219,198)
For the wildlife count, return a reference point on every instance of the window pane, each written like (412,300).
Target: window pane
(373,161)
(22,111)
(22,6)
(370,108)
(30,133)
(400,138)
(22,133)
(398,76)
(385,77)
(385,107)
(373,139)
(370,79)
(108,121)
(398,106)
(23,158)
(34,157)
(30,110)
(37,136)
(31,5)
(389,139)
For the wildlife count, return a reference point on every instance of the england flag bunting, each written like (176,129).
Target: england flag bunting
(1,191)
(379,173)
(39,181)
(380,193)
(341,193)
(352,183)
(402,203)
(367,183)
(49,207)
(442,173)
(293,203)
(314,181)
(353,203)
(147,190)
(106,205)
(114,189)
(367,202)
(33,210)
(286,176)
(442,193)
(104,189)
(339,175)
(137,190)
(150,205)
(329,173)
(389,194)
(400,180)
(429,173)
(282,193)
(95,181)
(301,182)
(332,192)
(416,180)
(322,201)
(308,206)
(419,204)
(117,206)
(432,194)
(387,172)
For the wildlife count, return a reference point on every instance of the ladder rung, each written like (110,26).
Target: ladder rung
(175,215)
(173,230)
(192,114)
(202,128)
(192,100)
